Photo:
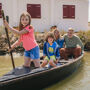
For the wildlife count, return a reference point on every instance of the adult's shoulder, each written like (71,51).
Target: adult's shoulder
(76,36)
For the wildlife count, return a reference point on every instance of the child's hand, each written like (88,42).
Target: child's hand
(6,24)
(10,49)
(44,56)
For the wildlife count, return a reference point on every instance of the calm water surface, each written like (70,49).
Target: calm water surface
(6,65)
(80,80)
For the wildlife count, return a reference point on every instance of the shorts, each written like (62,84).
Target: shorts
(33,53)
(51,57)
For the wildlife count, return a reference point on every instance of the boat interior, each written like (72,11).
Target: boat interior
(23,71)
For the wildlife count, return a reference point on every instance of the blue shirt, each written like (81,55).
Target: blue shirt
(51,50)
(60,42)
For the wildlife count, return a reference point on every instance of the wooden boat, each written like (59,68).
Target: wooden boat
(39,78)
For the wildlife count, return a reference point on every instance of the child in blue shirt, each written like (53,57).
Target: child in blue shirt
(50,51)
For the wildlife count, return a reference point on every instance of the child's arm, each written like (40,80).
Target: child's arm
(61,43)
(15,44)
(57,53)
(14,30)
(44,50)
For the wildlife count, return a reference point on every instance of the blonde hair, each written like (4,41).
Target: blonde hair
(71,29)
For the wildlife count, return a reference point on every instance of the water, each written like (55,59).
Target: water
(6,65)
(80,80)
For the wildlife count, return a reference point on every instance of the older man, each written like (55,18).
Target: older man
(73,45)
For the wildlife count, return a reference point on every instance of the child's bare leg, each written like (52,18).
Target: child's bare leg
(56,61)
(51,62)
(27,61)
(37,62)
(44,63)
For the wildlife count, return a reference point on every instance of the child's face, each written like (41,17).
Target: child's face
(24,20)
(50,39)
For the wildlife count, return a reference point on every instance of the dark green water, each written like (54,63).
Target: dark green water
(80,80)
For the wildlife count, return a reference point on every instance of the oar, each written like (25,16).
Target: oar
(8,41)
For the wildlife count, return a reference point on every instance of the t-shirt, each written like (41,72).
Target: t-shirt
(73,42)
(51,49)
(28,39)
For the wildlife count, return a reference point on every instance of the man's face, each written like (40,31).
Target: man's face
(70,33)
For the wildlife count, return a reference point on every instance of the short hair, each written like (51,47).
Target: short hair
(71,29)
(50,34)
(55,26)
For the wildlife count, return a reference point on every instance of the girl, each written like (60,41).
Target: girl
(57,38)
(50,51)
(26,33)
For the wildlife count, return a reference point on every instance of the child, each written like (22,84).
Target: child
(50,51)
(57,38)
(26,33)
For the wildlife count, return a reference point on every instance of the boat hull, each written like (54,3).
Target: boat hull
(42,79)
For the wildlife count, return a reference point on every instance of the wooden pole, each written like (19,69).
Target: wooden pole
(3,16)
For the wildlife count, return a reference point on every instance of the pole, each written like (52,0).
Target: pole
(3,16)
